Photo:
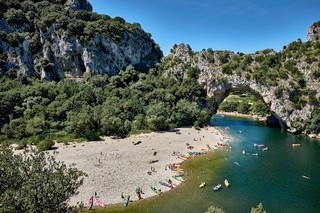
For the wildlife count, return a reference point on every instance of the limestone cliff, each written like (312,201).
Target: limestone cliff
(63,38)
(287,81)
(313,33)
(78,5)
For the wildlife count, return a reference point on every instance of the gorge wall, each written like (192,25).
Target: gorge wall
(64,38)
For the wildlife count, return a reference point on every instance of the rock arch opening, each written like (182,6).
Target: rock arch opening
(244,94)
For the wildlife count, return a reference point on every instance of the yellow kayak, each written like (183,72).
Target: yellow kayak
(202,184)
(226,182)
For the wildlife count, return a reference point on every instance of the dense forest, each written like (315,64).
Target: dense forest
(39,112)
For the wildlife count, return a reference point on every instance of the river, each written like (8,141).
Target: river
(273,177)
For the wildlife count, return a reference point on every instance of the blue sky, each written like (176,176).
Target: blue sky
(236,25)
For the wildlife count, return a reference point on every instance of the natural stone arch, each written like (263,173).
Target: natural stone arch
(222,92)
(218,84)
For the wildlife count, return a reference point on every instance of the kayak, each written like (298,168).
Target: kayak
(90,202)
(99,202)
(217,187)
(178,178)
(170,182)
(202,184)
(155,190)
(180,174)
(165,184)
(226,182)
(306,177)
(182,158)
(126,200)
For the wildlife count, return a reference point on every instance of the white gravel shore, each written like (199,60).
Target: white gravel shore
(117,165)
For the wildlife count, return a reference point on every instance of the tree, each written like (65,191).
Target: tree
(157,117)
(258,209)
(214,209)
(35,182)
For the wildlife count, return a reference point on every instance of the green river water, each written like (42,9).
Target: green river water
(274,177)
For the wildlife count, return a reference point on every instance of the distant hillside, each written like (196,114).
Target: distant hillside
(56,39)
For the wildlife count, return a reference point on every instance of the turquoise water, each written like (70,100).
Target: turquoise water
(273,178)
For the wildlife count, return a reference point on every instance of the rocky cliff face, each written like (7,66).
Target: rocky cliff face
(78,5)
(313,33)
(68,40)
(282,80)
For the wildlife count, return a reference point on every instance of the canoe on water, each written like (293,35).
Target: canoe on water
(217,187)
(306,177)
(226,182)
(202,184)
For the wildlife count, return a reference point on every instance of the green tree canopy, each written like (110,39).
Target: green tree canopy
(35,182)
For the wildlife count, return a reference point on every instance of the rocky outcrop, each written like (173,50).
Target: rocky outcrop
(72,47)
(220,77)
(71,58)
(313,33)
(78,5)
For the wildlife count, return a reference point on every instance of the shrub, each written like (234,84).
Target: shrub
(14,39)
(14,16)
(46,144)
(258,209)
(278,92)
(316,73)
(214,209)
(224,57)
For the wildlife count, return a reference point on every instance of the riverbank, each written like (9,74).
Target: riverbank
(240,115)
(121,165)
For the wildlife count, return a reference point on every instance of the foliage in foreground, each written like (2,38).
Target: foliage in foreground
(214,209)
(258,209)
(35,182)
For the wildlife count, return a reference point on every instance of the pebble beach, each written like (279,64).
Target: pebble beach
(116,166)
